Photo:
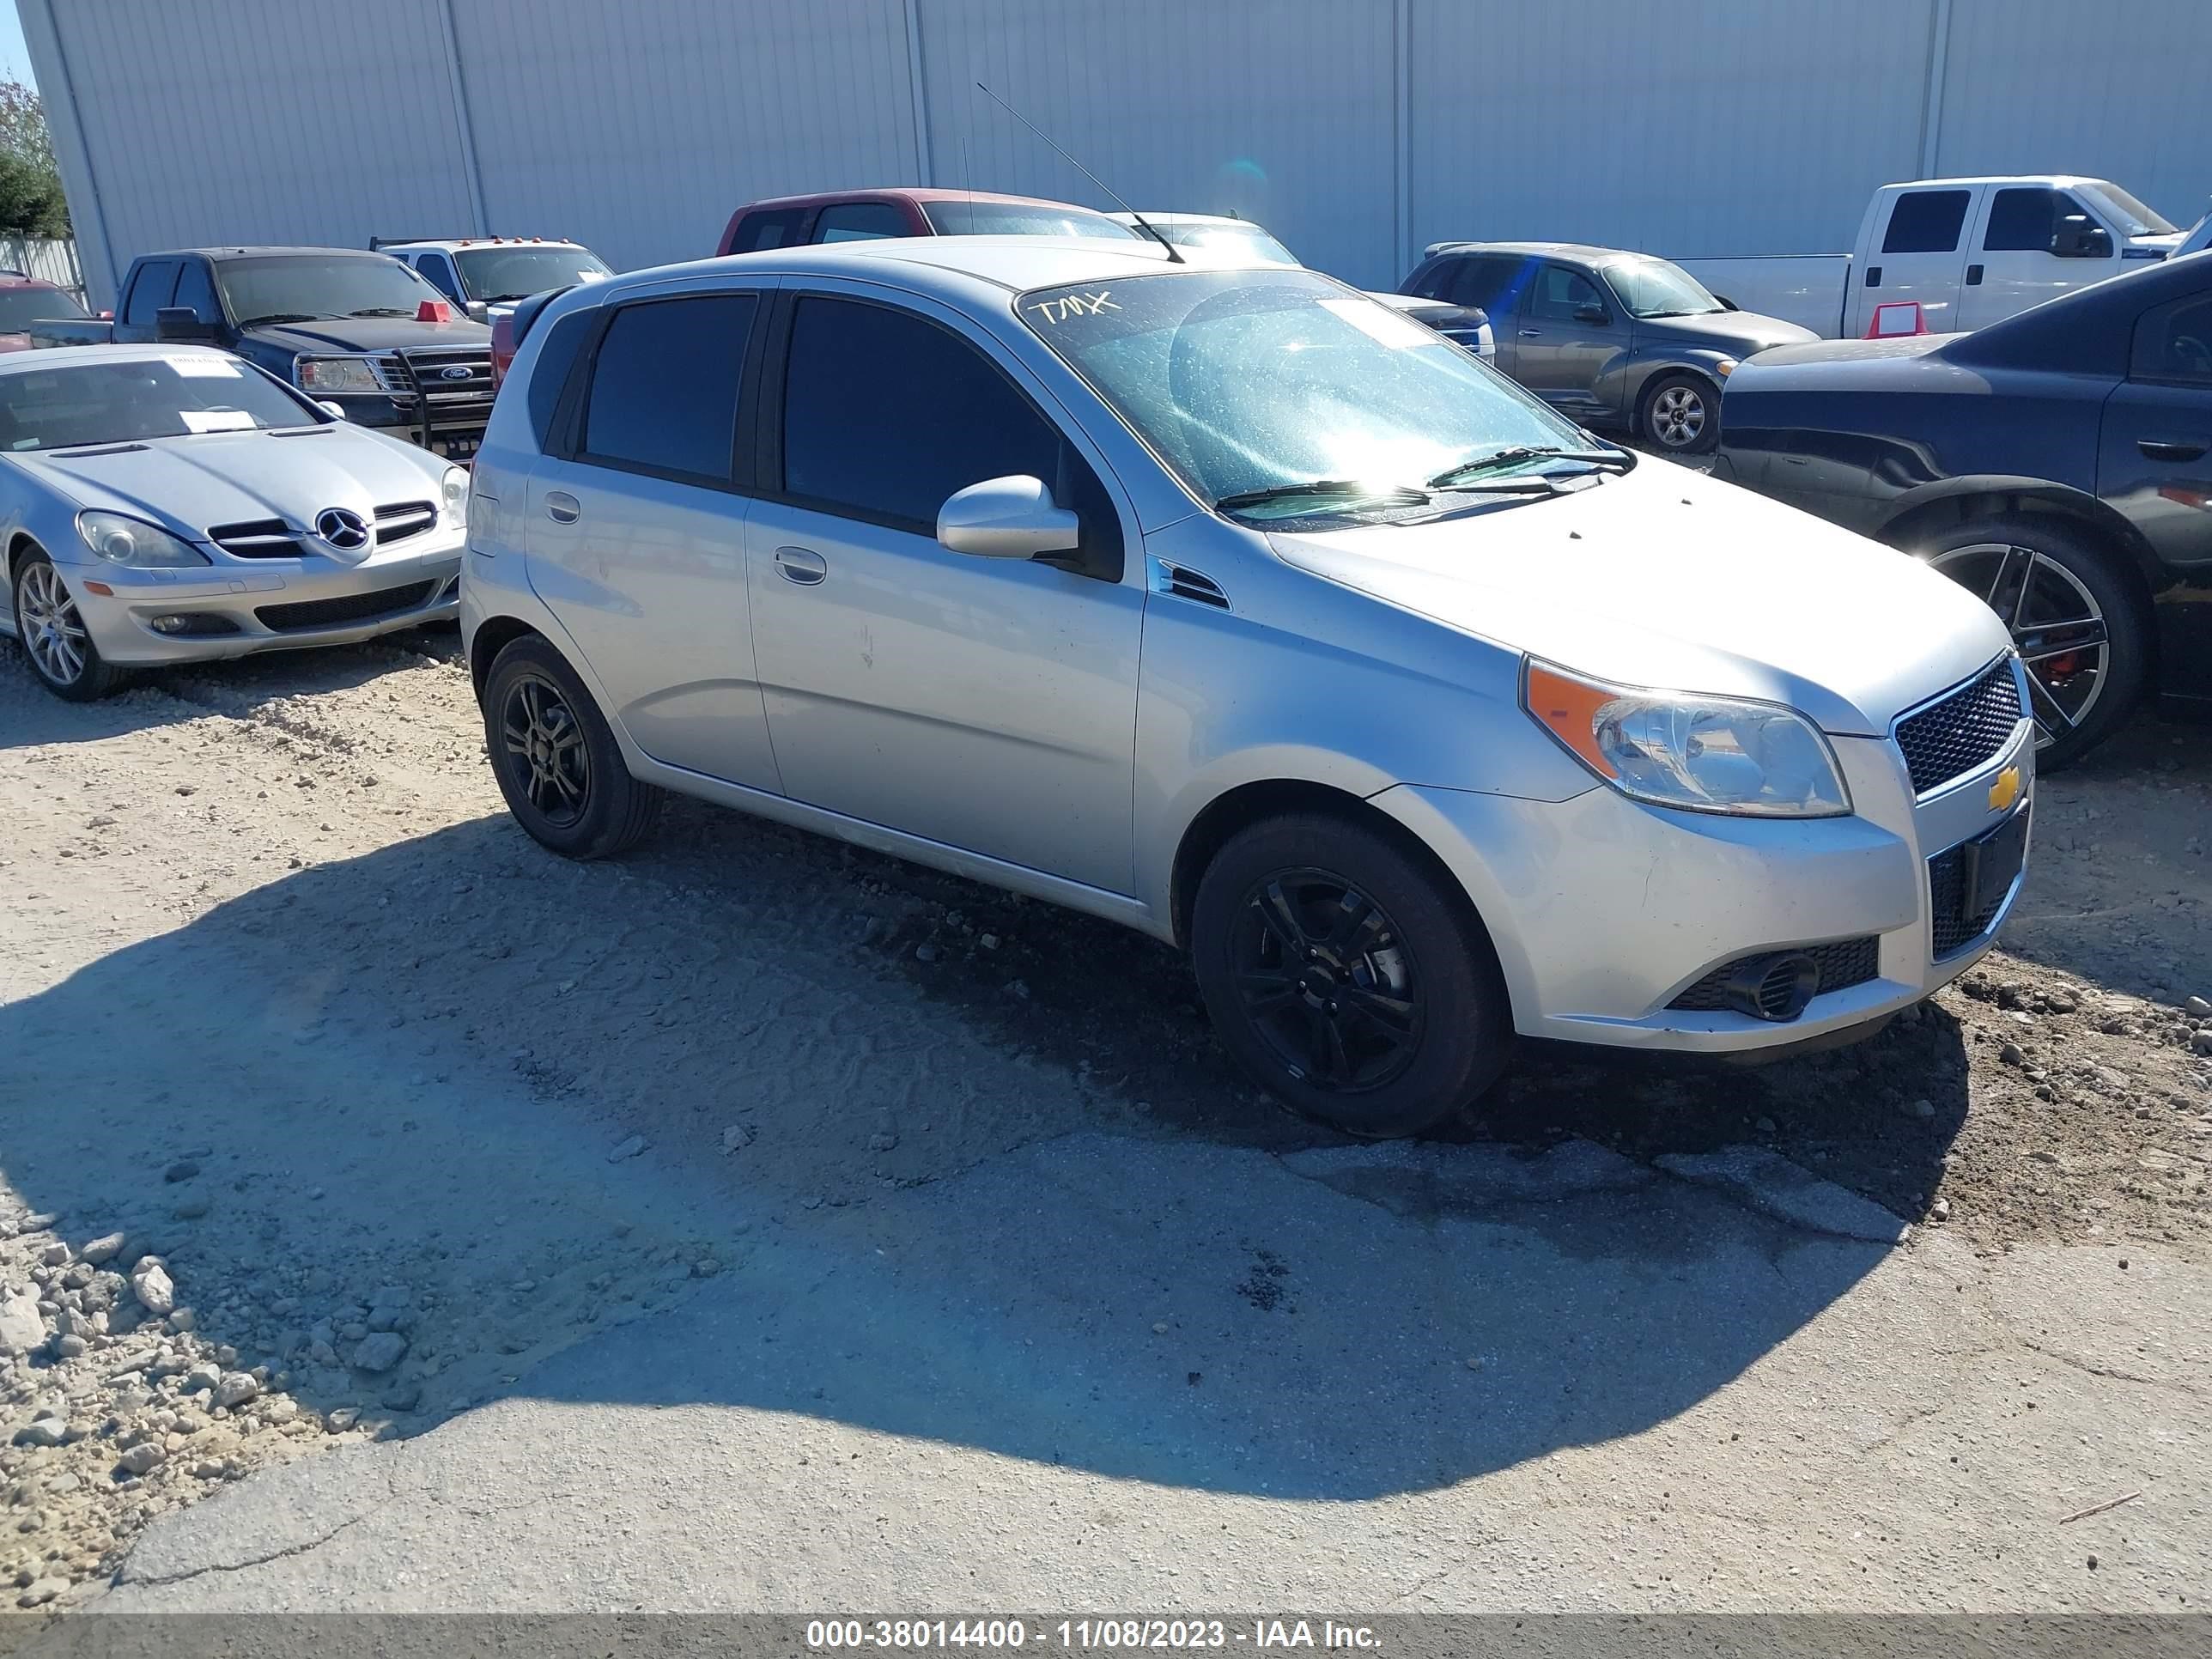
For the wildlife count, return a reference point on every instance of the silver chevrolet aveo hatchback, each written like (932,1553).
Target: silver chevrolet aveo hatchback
(1228,604)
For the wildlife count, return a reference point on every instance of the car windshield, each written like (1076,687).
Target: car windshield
(986,218)
(2139,220)
(111,402)
(21,307)
(1283,381)
(1653,287)
(303,287)
(1248,241)
(514,273)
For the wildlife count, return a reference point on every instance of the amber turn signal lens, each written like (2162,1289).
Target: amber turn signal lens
(1568,708)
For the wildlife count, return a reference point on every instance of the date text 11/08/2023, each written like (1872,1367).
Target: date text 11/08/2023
(1089,1635)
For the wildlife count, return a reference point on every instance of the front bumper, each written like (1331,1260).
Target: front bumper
(240,606)
(1604,911)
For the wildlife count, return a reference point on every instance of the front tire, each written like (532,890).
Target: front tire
(556,759)
(2076,621)
(1347,978)
(52,631)
(1680,415)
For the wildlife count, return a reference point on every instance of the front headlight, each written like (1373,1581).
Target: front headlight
(327,374)
(135,544)
(455,489)
(1701,754)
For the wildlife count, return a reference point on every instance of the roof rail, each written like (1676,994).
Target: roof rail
(378,243)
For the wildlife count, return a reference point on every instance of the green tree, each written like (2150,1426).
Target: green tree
(31,200)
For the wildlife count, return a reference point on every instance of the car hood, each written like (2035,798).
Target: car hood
(1666,578)
(369,334)
(187,484)
(1737,333)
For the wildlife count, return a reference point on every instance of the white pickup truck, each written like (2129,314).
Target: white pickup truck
(1971,251)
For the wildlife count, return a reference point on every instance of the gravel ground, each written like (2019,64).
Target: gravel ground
(218,1252)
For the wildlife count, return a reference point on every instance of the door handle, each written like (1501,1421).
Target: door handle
(2172,449)
(1973,275)
(1532,333)
(1874,276)
(798,564)
(562,508)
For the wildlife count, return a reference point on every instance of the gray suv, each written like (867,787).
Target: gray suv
(1614,339)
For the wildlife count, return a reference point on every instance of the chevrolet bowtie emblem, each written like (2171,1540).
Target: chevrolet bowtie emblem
(2005,790)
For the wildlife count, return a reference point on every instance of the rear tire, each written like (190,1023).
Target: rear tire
(556,759)
(53,636)
(1680,415)
(1348,979)
(2080,696)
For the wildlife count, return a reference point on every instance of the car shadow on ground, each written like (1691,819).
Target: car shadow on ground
(934,1210)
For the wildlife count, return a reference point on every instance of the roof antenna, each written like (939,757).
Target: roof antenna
(1143,224)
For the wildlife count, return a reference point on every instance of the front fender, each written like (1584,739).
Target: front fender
(1641,366)
(2076,503)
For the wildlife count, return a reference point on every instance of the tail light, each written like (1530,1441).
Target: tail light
(503,348)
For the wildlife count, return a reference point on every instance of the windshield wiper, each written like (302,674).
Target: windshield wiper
(382,311)
(287,317)
(1349,489)
(1467,471)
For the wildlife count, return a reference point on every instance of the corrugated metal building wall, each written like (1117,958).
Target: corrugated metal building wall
(1356,130)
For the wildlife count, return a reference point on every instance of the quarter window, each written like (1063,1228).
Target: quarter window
(858,221)
(885,414)
(664,395)
(1926,221)
(156,281)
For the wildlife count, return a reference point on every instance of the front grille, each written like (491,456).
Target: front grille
(1953,737)
(1840,965)
(419,373)
(1951,929)
(399,520)
(354,607)
(258,539)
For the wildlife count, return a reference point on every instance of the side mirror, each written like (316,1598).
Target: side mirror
(1010,518)
(1727,304)
(177,326)
(1596,316)
(2077,238)
(335,411)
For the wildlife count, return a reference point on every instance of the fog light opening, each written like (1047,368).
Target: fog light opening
(1774,989)
(177,624)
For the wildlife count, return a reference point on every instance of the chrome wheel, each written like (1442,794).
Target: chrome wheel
(1678,417)
(1327,983)
(2057,625)
(47,622)
(542,738)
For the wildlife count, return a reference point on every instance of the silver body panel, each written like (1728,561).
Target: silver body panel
(192,485)
(1058,736)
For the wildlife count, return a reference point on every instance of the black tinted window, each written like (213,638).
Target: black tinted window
(1487,281)
(758,230)
(664,385)
(195,293)
(2175,342)
(855,221)
(556,359)
(151,290)
(1926,221)
(2022,221)
(886,415)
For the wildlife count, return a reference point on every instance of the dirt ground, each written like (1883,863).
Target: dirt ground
(319,838)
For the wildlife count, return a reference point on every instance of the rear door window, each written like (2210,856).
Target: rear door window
(1926,221)
(1560,293)
(663,391)
(2173,343)
(1486,281)
(777,227)
(149,291)
(860,221)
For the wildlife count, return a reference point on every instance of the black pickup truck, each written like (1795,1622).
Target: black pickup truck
(358,330)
